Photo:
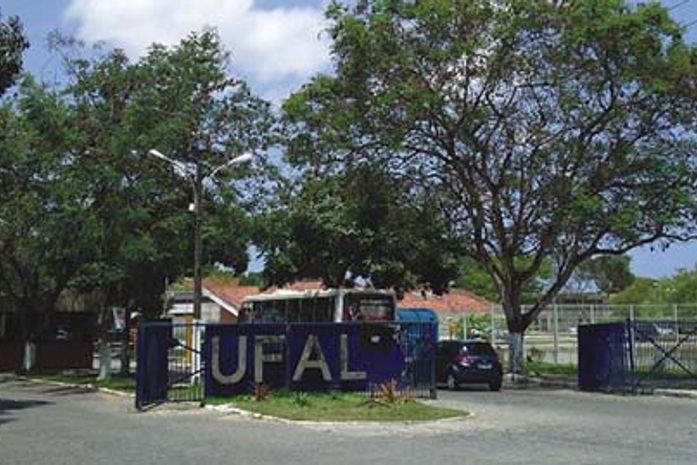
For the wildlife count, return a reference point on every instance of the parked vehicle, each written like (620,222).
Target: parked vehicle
(654,330)
(470,361)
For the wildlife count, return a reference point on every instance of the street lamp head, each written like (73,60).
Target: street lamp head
(244,158)
(158,154)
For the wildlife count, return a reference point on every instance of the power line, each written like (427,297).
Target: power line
(678,5)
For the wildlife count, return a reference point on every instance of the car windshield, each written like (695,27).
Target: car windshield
(477,348)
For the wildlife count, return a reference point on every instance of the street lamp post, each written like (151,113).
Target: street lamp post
(196,179)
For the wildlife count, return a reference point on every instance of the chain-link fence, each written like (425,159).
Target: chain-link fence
(552,337)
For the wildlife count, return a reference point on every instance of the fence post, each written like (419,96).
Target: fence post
(675,318)
(592,314)
(433,392)
(631,312)
(630,336)
(556,332)
(493,327)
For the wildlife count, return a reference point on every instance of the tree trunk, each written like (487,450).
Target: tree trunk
(516,327)
(103,348)
(104,361)
(515,352)
(29,356)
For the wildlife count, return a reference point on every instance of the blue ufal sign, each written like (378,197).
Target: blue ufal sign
(312,356)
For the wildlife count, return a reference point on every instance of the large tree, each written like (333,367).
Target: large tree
(546,130)
(13,43)
(183,101)
(47,228)
(85,208)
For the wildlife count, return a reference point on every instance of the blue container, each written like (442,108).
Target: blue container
(423,315)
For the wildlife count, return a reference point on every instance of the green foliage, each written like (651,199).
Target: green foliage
(47,228)
(254,279)
(358,224)
(541,132)
(13,43)
(680,288)
(540,368)
(338,407)
(641,291)
(301,399)
(474,278)
(609,274)
(85,208)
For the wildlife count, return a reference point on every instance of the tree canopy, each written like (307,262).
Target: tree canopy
(84,206)
(357,225)
(13,43)
(544,130)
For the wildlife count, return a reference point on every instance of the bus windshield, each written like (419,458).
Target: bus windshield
(368,307)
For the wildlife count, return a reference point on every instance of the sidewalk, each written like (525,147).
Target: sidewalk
(571,382)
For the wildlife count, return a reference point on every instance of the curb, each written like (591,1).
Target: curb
(86,387)
(679,393)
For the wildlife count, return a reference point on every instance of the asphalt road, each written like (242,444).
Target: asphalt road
(42,424)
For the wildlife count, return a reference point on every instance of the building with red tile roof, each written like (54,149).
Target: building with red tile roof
(223,299)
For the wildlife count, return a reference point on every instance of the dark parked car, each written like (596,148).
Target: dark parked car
(459,362)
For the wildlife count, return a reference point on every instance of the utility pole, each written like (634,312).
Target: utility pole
(196,178)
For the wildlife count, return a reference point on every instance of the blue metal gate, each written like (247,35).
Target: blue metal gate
(169,363)
(192,362)
(602,357)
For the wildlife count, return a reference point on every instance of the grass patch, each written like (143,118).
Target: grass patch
(119,383)
(546,368)
(336,407)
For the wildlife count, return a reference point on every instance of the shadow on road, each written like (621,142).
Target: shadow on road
(9,405)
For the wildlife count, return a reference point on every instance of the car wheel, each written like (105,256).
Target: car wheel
(495,385)
(450,382)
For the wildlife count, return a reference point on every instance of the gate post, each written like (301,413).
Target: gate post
(630,339)
(556,332)
(433,329)
(141,367)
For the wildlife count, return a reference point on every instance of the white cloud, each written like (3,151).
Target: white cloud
(269,46)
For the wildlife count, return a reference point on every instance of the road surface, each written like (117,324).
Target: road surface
(42,424)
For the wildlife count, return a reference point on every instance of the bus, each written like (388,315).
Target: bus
(326,305)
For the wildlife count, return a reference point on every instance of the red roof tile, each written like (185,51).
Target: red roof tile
(231,292)
(453,302)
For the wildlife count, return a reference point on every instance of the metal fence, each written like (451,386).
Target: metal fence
(552,337)
(638,355)
(663,353)
(192,362)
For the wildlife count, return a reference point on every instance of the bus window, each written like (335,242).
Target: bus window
(324,309)
(292,310)
(306,310)
(272,311)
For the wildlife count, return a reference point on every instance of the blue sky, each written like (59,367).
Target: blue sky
(276,43)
